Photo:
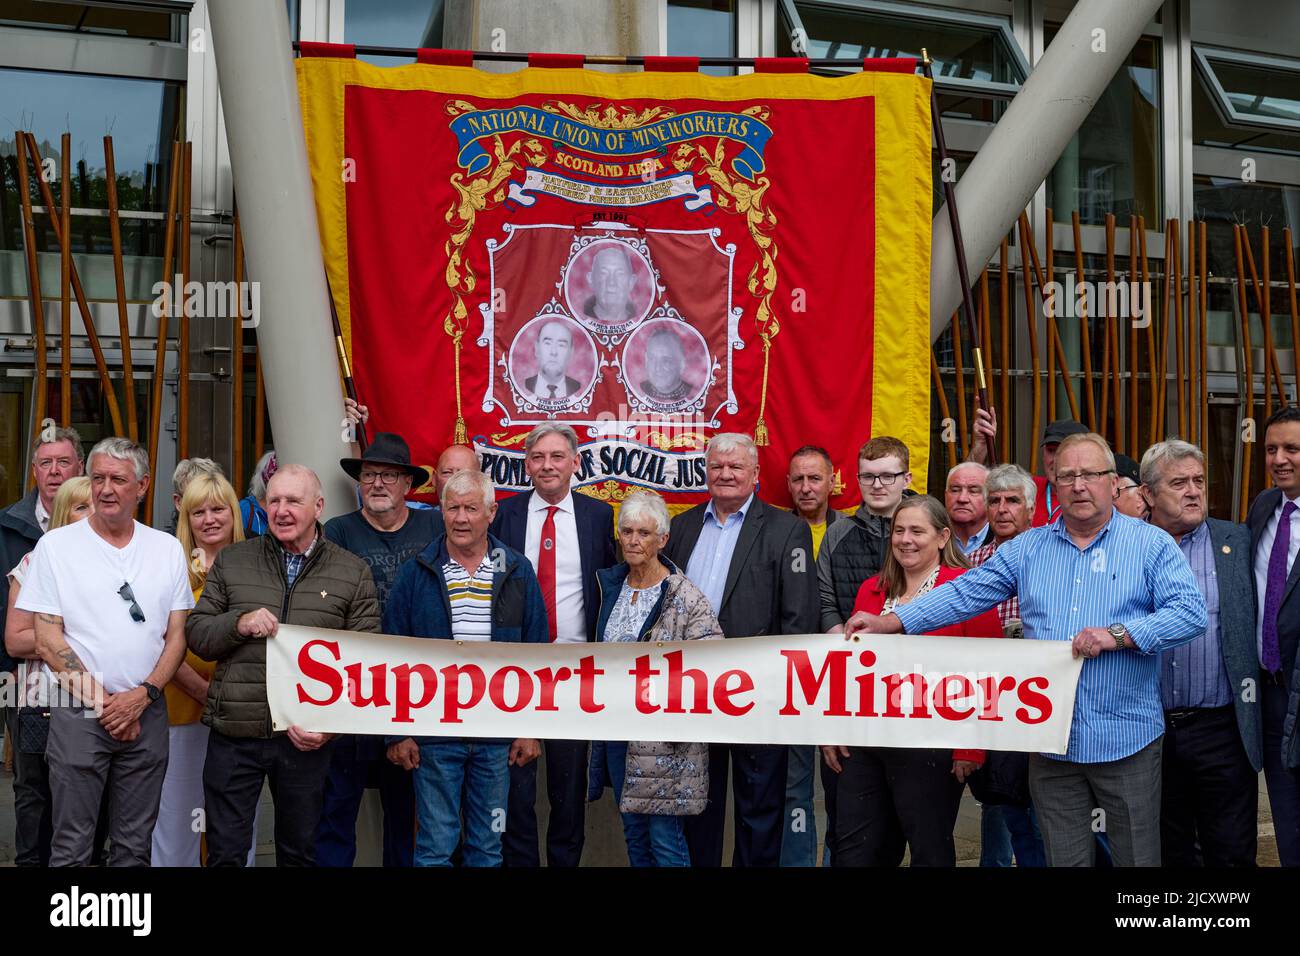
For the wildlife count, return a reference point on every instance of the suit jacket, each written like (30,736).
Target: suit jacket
(1288,622)
(571,387)
(1235,574)
(595,521)
(771,585)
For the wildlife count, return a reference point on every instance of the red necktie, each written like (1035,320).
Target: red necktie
(546,566)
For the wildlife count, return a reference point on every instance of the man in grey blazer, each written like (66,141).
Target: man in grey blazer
(1275,538)
(755,564)
(1213,747)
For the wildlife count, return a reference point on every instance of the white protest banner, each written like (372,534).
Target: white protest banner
(895,691)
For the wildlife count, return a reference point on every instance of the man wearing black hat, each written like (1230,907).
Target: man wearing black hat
(1129,499)
(384,533)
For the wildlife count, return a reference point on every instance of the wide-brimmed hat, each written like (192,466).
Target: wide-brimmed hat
(386,449)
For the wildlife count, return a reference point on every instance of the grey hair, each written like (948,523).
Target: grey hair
(732,441)
(123,449)
(1167,452)
(551,428)
(468,481)
(69,435)
(641,505)
(1088,438)
(187,468)
(1012,478)
(983,471)
(313,479)
(256,483)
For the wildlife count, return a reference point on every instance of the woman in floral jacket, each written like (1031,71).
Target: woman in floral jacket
(646,598)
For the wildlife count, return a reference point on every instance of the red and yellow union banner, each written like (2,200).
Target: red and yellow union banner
(650,258)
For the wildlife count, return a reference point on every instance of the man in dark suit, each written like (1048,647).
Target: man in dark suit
(1275,537)
(1213,749)
(755,564)
(567,538)
(554,350)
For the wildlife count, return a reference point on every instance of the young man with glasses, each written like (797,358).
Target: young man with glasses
(1121,592)
(384,533)
(110,598)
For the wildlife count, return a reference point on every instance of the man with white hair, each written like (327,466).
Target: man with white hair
(567,538)
(755,564)
(1120,592)
(1214,746)
(466,586)
(291,575)
(963,496)
(110,597)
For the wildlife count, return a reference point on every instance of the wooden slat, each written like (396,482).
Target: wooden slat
(950,448)
(960,373)
(237,365)
(183,338)
(1245,372)
(65,280)
(1134,393)
(1004,348)
(1085,336)
(160,352)
(119,285)
(1031,322)
(35,302)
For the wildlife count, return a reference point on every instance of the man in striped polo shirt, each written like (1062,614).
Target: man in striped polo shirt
(1121,592)
(465,586)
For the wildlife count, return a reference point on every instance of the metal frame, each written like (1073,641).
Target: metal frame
(1001,25)
(1204,57)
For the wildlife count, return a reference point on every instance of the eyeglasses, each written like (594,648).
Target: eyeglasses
(1087,477)
(885,480)
(384,477)
(124,592)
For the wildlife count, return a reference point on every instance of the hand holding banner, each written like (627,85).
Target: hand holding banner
(890,691)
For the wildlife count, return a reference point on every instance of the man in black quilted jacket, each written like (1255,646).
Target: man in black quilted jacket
(295,575)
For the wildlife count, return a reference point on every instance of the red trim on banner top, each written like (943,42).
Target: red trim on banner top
(347,51)
(556,61)
(781,64)
(890,64)
(672,64)
(444,57)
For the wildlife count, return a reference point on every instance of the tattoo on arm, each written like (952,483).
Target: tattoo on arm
(70,660)
(50,619)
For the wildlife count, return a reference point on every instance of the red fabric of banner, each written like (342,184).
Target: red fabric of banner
(556,61)
(311,48)
(445,57)
(890,64)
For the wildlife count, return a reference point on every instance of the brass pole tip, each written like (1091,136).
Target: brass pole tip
(925,56)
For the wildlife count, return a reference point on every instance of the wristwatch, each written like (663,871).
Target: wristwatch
(153,692)
(1120,633)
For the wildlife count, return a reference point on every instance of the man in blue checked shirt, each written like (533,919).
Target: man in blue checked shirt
(1121,592)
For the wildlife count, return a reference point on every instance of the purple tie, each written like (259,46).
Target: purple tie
(1277,570)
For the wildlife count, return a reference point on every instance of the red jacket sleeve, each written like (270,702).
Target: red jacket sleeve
(870,598)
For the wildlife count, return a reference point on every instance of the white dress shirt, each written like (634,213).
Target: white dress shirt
(1263,550)
(571,620)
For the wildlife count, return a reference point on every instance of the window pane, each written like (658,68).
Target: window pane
(86,18)
(966,52)
(1260,92)
(1209,129)
(143,116)
(1225,200)
(404,23)
(1113,162)
(703,28)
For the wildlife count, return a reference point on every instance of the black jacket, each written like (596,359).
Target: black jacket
(19,533)
(771,585)
(595,521)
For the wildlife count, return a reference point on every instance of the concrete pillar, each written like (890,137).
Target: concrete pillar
(268,157)
(608,28)
(1075,70)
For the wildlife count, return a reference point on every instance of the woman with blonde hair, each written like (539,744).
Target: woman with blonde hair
(33,805)
(889,799)
(208,521)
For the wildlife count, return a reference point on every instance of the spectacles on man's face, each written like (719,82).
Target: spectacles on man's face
(124,592)
(384,477)
(1087,477)
(885,480)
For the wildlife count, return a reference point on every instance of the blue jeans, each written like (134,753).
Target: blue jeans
(482,773)
(652,839)
(799,836)
(1005,830)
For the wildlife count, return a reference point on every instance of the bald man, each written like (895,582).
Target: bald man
(553,350)
(611,278)
(296,575)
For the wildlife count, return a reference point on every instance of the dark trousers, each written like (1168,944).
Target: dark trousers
(1210,793)
(759,790)
(359,763)
(232,786)
(830,784)
(890,799)
(566,790)
(1283,783)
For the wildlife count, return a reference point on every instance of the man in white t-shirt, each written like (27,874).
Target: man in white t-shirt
(110,597)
